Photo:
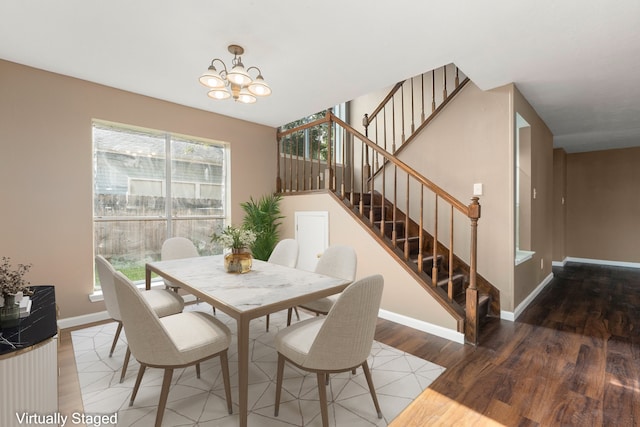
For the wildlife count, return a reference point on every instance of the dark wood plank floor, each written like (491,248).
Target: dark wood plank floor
(571,359)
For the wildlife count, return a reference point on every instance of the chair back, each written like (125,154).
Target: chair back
(338,261)
(285,253)
(105,274)
(148,341)
(178,247)
(345,338)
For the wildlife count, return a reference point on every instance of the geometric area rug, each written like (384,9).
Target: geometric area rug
(397,376)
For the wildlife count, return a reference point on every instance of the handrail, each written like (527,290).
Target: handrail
(281,134)
(406,118)
(384,101)
(318,168)
(404,167)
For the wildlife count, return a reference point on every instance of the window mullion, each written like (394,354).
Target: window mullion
(168,206)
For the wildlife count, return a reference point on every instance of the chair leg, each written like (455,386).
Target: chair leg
(297,314)
(115,338)
(279,383)
(197,370)
(267,323)
(289,313)
(127,356)
(372,390)
(137,384)
(164,394)
(322,392)
(224,365)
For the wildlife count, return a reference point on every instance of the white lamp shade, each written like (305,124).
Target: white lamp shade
(246,97)
(259,87)
(212,79)
(238,75)
(221,93)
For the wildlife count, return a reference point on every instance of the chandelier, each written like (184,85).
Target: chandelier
(236,83)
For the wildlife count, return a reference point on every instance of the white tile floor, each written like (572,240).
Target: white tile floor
(398,378)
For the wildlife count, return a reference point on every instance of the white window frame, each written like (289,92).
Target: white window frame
(168,216)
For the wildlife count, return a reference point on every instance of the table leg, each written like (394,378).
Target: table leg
(147,278)
(243,369)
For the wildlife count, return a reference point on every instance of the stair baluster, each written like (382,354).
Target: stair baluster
(405,230)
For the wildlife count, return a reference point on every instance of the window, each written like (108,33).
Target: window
(149,185)
(311,143)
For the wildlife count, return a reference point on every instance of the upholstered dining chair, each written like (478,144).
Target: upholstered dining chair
(176,248)
(170,342)
(337,261)
(163,302)
(339,342)
(285,253)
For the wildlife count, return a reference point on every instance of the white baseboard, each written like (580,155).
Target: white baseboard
(559,263)
(602,262)
(512,316)
(85,319)
(423,326)
(451,335)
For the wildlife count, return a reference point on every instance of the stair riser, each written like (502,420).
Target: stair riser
(458,286)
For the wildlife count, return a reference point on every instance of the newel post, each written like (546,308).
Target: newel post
(330,184)
(471,324)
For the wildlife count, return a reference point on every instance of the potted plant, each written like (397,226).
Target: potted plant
(12,280)
(12,285)
(262,216)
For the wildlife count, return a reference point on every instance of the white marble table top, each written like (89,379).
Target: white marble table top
(266,284)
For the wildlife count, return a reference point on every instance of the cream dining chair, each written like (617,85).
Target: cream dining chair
(177,248)
(170,342)
(162,301)
(337,261)
(339,342)
(285,253)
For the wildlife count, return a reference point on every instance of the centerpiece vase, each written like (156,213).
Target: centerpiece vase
(239,260)
(9,312)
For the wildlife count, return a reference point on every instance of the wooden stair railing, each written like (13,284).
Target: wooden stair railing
(329,154)
(388,123)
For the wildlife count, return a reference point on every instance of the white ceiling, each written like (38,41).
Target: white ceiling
(576,61)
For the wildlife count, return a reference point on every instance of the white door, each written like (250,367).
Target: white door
(312,234)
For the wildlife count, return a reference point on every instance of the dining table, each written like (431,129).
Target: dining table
(267,288)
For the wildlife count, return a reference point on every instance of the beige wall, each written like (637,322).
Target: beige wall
(559,204)
(472,141)
(603,207)
(402,294)
(46,169)
(531,273)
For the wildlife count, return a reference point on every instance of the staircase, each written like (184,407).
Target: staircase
(414,219)
(449,274)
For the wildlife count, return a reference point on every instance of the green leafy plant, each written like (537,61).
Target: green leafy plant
(262,216)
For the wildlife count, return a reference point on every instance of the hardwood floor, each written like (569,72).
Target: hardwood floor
(571,359)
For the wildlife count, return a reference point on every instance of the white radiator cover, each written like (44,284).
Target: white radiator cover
(29,385)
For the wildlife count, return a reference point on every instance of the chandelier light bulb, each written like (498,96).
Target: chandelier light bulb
(219,94)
